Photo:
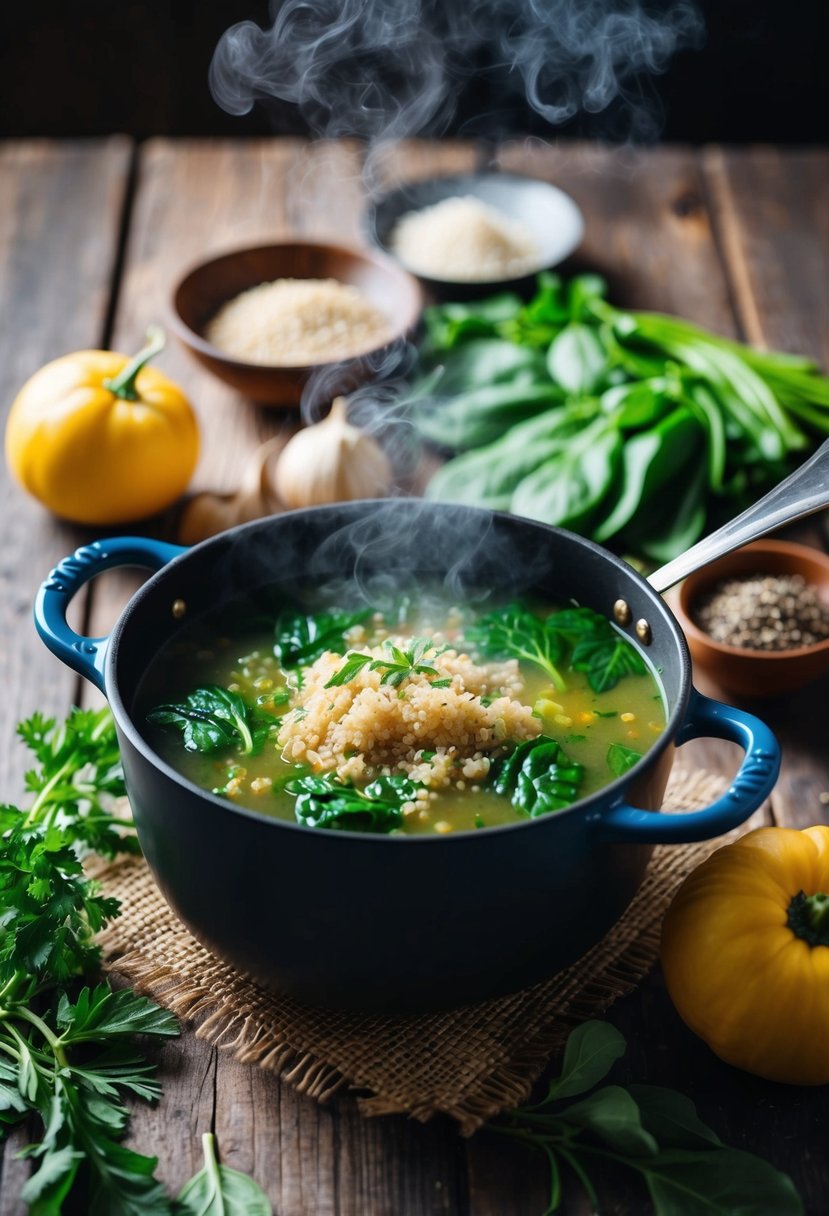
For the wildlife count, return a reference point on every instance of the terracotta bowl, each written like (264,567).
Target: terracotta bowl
(737,669)
(203,290)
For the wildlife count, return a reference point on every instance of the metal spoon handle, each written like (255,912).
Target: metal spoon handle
(804,491)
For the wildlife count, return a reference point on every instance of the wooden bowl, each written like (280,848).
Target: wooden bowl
(737,669)
(206,287)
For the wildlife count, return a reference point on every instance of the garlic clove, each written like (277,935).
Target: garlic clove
(208,513)
(331,461)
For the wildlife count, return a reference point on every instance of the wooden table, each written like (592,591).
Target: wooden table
(91,237)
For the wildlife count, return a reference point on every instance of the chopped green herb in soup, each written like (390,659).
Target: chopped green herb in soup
(407,722)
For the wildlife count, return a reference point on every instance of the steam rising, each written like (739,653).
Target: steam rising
(391,69)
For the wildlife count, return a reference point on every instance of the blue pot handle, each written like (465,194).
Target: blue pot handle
(86,655)
(753,783)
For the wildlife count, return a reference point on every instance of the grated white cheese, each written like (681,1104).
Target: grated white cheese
(464,240)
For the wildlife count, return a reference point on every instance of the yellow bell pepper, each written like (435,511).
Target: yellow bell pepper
(745,952)
(102,439)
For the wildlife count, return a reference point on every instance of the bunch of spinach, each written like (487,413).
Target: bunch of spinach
(636,429)
(67,1050)
(585,638)
(650,1130)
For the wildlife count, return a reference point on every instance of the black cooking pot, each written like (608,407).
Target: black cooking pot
(397,923)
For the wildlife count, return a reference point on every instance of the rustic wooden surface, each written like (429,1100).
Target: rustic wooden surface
(92,237)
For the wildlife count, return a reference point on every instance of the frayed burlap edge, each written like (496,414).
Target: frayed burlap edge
(468,1063)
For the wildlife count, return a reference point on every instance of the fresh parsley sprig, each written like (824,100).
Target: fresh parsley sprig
(653,1131)
(67,1051)
(399,666)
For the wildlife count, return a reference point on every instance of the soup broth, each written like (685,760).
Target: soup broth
(412,722)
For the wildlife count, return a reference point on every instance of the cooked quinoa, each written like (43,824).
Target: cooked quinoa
(291,322)
(435,735)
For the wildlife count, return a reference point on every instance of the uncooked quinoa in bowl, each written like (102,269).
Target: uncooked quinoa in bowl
(264,319)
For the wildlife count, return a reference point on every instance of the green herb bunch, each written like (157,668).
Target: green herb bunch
(68,1055)
(637,429)
(652,1131)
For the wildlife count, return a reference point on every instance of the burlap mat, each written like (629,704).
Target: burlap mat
(469,1063)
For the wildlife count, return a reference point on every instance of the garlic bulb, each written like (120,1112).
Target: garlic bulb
(208,513)
(332,461)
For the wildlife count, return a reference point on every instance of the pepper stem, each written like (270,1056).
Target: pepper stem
(808,918)
(123,385)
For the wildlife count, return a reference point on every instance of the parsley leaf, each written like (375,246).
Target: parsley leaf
(399,666)
(219,1191)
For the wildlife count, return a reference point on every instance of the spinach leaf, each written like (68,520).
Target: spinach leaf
(577,359)
(484,361)
(567,490)
(621,758)
(591,1051)
(538,776)
(218,1190)
(449,324)
(672,1118)
(613,1118)
(212,718)
(300,638)
(324,802)
(516,632)
(481,414)
(650,461)
(488,475)
(605,656)
(654,1132)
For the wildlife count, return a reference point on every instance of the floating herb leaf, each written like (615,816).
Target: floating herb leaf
(538,776)
(324,802)
(514,631)
(621,758)
(399,666)
(213,718)
(300,637)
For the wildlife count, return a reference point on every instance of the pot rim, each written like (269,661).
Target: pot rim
(613,792)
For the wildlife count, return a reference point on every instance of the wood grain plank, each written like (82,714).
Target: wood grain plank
(171,1129)
(60,216)
(328,1160)
(771,214)
(61,207)
(647,227)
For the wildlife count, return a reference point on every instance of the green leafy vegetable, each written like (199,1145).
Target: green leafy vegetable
(652,1131)
(300,638)
(586,637)
(694,427)
(621,758)
(516,632)
(67,1055)
(538,776)
(213,718)
(219,1191)
(324,802)
(399,666)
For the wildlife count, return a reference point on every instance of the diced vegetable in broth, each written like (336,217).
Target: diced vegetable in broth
(410,722)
